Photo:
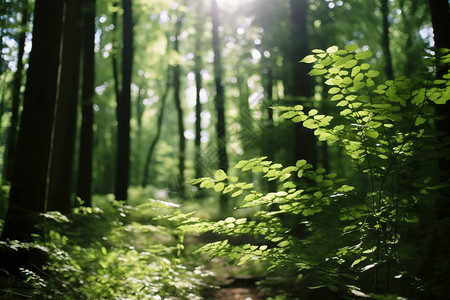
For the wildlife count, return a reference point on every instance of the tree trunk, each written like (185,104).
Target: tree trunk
(30,181)
(151,150)
(386,42)
(246,133)
(17,85)
(87,121)
(177,98)
(301,89)
(219,101)
(198,104)
(64,126)
(435,271)
(137,145)
(124,107)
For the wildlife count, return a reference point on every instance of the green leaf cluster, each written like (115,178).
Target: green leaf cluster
(346,236)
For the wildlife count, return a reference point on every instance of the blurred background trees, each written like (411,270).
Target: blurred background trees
(259,44)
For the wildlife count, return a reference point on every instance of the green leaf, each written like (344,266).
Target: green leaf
(351,47)
(345,112)
(312,112)
(342,103)
(359,77)
(419,121)
(316,72)
(347,81)
(241,164)
(219,187)
(207,184)
(355,71)
(220,175)
(311,124)
(372,134)
(337,97)
(289,114)
(298,119)
(334,90)
(309,59)
(370,82)
(372,73)
(237,193)
(300,163)
(283,244)
(350,64)
(365,66)
(230,220)
(358,261)
(332,49)
(363,55)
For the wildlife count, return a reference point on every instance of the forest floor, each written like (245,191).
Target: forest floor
(238,288)
(234,293)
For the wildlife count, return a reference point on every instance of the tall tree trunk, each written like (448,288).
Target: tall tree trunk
(219,101)
(17,84)
(386,42)
(151,150)
(30,181)
(246,134)
(124,107)
(64,126)
(435,269)
(87,137)
(198,87)
(138,139)
(301,90)
(177,98)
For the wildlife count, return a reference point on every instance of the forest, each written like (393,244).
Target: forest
(224,149)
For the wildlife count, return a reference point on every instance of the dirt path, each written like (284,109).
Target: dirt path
(234,293)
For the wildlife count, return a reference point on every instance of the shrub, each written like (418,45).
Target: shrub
(354,240)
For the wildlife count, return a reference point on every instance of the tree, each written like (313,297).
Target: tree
(29,186)
(176,86)
(124,106)
(87,121)
(64,126)
(219,99)
(386,41)
(435,267)
(198,87)
(159,123)
(301,88)
(39,145)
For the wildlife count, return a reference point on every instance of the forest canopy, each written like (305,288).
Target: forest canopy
(157,149)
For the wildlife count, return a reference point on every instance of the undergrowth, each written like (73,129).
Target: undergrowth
(104,253)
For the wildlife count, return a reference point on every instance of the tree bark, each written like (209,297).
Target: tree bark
(219,101)
(87,136)
(435,271)
(64,126)
(30,181)
(151,150)
(17,85)
(301,89)
(124,107)
(177,98)
(386,41)
(198,87)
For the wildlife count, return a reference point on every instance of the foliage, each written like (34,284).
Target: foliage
(105,254)
(355,241)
